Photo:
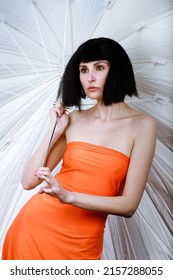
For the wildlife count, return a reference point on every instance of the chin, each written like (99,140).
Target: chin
(94,97)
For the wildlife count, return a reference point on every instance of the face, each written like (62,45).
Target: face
(93,77)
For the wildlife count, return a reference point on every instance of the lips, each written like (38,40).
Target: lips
(92,89)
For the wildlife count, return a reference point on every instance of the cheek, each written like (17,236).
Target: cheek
(105,77)
(103,80)
(80,79)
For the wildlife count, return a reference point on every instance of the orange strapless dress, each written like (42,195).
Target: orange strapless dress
(46,229)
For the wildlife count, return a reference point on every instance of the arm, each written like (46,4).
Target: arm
(127,203)
(29,180)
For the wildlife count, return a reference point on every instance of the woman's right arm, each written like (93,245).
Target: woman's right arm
(56,150)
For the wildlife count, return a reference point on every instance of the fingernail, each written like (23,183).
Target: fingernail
(35,172)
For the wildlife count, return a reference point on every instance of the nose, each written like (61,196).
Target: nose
(91,76)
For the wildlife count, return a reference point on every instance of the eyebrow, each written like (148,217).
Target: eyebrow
(97,62)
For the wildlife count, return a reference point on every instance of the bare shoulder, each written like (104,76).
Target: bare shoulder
(145,131)
(74,115)
(141,122)
(146,122)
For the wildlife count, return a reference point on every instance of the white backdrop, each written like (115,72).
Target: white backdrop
(36,40)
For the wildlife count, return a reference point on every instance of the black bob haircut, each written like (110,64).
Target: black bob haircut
(120,80)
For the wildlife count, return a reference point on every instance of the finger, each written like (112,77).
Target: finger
(45,175)
(46,190)
(56,112)
(50,180)
(53,112)
(59,108)
(45,178)
(41,190)
(49,190)
(42,170)
(67,111)
(59,105)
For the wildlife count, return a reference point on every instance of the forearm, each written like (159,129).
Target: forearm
(118,205)
(29,180)
(124,205)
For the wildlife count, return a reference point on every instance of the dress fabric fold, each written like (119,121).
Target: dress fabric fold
(46,229)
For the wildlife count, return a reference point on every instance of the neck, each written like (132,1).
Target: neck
(106,113)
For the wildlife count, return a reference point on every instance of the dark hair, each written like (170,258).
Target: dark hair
(120,80)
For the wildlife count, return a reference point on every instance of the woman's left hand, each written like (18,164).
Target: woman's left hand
(53,187)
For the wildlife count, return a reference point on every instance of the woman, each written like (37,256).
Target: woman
(107,152)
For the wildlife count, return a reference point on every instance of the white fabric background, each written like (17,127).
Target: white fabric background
(36,40)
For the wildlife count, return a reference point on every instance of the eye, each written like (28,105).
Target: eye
(99,67)
(83,70)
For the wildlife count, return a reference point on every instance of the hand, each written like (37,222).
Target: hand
(53,187)
(63,117)
(57,110)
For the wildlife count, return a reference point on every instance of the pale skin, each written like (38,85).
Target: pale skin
(116,126)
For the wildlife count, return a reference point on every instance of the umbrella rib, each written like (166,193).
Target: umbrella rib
(24,54)
(65,31)
(28,36)
(15,73)
(41,13)
(143,68)
(39,30)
